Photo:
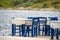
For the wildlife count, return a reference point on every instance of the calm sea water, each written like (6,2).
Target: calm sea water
(7,15)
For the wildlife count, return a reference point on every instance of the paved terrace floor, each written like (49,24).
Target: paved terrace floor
(25,38)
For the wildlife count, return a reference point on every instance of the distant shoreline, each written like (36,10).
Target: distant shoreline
(29,8)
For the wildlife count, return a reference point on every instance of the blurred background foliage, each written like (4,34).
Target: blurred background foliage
(30,3)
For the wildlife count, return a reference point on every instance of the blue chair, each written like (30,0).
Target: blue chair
(13,29)
(53,18)
(57,33)
(24,30)
(35,27)
(52,33)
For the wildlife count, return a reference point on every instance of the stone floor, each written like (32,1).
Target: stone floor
(25,38)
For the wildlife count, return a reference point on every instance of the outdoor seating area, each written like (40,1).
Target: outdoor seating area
(34,27)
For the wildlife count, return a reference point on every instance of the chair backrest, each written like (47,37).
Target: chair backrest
(53,18)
